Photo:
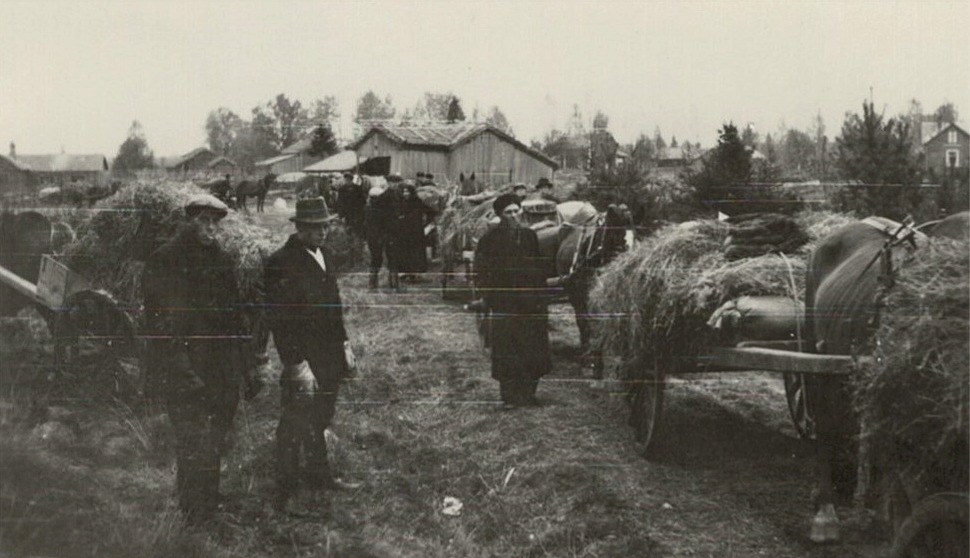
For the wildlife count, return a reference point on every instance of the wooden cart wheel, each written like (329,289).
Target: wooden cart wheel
(92,332)
(799,407)
(646,400)
(938,527)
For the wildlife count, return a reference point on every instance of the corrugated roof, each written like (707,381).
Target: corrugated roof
(274,160)
(188,156)
(443,136)
(62,162)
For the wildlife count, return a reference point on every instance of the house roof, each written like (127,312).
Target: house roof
(61,162)
(221,159)
(273,160)
(943,130)
(444,137)
(13,161)
(187,157)
(298,147)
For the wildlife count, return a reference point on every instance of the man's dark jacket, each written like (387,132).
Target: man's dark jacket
(304,307)
(196,330)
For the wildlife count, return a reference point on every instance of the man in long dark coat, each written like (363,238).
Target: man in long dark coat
(306,318)
(508,269)
(381,218)
(199,350)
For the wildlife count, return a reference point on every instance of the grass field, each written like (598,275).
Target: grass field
(85,471)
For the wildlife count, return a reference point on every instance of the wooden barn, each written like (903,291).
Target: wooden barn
(55,170)
(449,150)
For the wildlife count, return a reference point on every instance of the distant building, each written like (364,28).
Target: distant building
(448,150)
(193,162)
(15,180)
(948,148)
(672,161)
(294,158)
(222,166)
(56,170)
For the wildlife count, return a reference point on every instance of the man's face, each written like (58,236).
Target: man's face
(204,226)
(313,235)
(519,193)
(511,215)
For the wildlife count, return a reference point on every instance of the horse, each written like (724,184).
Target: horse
(255,188)
(467,186)
(583,250)
(220,188)
(847,275)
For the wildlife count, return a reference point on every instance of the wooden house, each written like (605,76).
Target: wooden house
(947,150)
(447,151)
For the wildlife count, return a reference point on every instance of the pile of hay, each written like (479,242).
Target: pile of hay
(128,226)
(653,302)
(914,402)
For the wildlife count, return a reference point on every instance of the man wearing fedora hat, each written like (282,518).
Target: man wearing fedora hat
(306,317)
(197,351)
(544,189)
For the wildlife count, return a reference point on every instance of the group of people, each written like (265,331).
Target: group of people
(201,355)
(395,219)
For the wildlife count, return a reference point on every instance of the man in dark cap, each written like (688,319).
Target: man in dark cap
(199,349)
(306,317)
(544,189)
(509,272)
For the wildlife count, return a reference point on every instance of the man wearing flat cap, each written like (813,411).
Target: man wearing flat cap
(306,318)
(509,271)
(199,349)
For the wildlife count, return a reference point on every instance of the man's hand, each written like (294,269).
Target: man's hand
(350,358)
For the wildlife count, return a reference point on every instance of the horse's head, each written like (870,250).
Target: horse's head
(468,184)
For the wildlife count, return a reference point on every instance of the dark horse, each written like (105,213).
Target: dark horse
(254,188)
(583,250)
(847,276)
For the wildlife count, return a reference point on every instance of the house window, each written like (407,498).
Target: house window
(951,136)
(952,158)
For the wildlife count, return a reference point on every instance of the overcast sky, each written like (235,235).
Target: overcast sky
(75,74)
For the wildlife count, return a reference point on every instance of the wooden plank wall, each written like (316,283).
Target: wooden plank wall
(493,159)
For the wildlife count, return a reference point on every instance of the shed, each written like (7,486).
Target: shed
(293,158)
(194,161)
(449,150)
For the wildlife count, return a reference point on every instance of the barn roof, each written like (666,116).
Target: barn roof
(445,137)
(273,160)
(187,157)
(62,162)
(343,161)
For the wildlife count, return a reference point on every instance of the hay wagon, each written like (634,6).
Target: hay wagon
(86,324)
(926,520)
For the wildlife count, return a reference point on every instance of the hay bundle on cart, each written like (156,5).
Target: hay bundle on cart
(915,401)
(128,226)
(655,300)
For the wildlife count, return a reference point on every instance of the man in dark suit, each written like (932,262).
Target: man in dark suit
(509,271)
(306,318)
(199,350)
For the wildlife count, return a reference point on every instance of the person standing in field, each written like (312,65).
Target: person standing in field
(199,350)
(413,217)
(306,317)
(382,216)
(509,271)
